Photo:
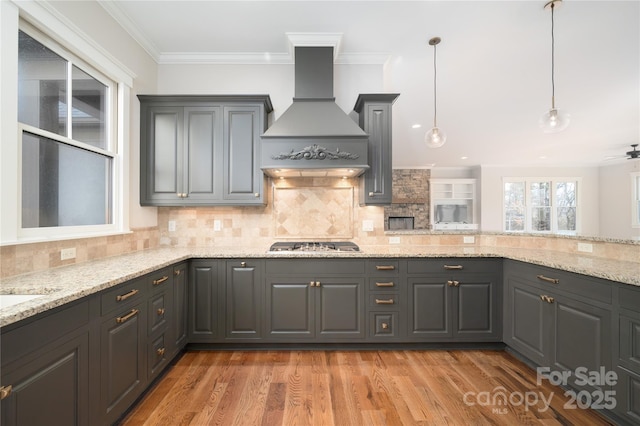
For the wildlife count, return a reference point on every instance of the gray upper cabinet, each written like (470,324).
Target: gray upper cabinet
(375,119)
(201,150)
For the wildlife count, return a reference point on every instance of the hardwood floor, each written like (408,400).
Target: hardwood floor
(395,387)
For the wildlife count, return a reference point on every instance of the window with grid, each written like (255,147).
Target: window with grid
(540,205)
(67,142)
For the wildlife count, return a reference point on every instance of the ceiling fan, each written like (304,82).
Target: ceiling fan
(634,153)
(629,155)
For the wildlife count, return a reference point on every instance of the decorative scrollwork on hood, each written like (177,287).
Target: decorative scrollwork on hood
(316,152)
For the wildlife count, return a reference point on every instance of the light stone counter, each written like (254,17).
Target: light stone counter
(66,284)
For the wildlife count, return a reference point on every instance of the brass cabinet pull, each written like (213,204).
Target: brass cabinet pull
(5,391)
(547,279)
(385,326)
(448,267)
(125,296)
(160,311)
(127,317)
(317,283)
(160,280)
(243,264)
(384,301)
(312,283)
(389,284)
(385,267)
(160,351)
(546,298)
(177,272)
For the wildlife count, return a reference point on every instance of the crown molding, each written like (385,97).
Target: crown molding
(130,27)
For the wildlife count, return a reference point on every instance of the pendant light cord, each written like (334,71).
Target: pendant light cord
(435,87)
(553,43)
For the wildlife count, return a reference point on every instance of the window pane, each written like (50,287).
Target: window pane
(566,219)
(541,219)
(63,185)
(42,86)
(89,98)
(540,193)
(566,194)
(514,206)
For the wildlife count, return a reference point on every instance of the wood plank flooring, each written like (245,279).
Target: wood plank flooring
(395,387)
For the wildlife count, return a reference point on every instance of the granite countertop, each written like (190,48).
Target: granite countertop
(65,284)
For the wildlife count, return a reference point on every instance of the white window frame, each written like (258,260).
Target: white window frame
(635,199)
(554,214)
(47,26)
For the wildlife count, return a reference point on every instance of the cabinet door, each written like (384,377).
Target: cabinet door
(244,300)
(340,308)
(203,157)
(582,337)
(123,368)
(203,312)
(244,179)
(180,298)
(290,312)
(161,155)
(477,316)
(429,308)
(52,389)
(527,325)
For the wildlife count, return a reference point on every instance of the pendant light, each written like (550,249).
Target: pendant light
(435,137)
(554,120)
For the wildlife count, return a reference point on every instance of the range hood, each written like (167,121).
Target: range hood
(314,137)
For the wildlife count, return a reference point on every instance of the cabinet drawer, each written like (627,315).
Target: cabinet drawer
(383,301)
(550,278)
(630,298)
(383,324)
(157,313)
(383,284)
(383,267)
(157,356)
(160,280)
(452,266)
(312,268)
(122,295)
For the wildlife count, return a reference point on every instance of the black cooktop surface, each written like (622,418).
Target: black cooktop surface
(320,246)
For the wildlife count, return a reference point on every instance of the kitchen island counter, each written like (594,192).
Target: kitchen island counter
(62,285)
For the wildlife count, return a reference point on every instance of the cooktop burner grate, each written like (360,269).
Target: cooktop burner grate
(314,246)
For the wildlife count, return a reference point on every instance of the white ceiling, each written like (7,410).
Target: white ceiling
(494,66)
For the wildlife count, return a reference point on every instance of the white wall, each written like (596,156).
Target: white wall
(615,200)
(491,193)
(275,80)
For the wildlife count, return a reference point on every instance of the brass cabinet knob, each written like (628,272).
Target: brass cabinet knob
(160,351)
(371,194)
(385,326)
(256,194)
(243,264)
(160,311)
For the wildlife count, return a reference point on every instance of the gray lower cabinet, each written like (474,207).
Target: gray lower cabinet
(179,321)
(45,376)
(243,299)
(202,150)
(203,301)
(123,337)
(454,299)
(627,354)
(560,321)
(316,299)
(375,111)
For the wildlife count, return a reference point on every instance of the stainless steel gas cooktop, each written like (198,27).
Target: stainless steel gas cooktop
(314,246)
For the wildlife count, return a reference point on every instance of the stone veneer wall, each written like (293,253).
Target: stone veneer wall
(410,197)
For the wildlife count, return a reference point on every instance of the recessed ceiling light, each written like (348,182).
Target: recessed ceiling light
(542,157)
(416,126)
(464,157)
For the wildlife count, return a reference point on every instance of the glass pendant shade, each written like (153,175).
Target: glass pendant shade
(554,121)
(435,138)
